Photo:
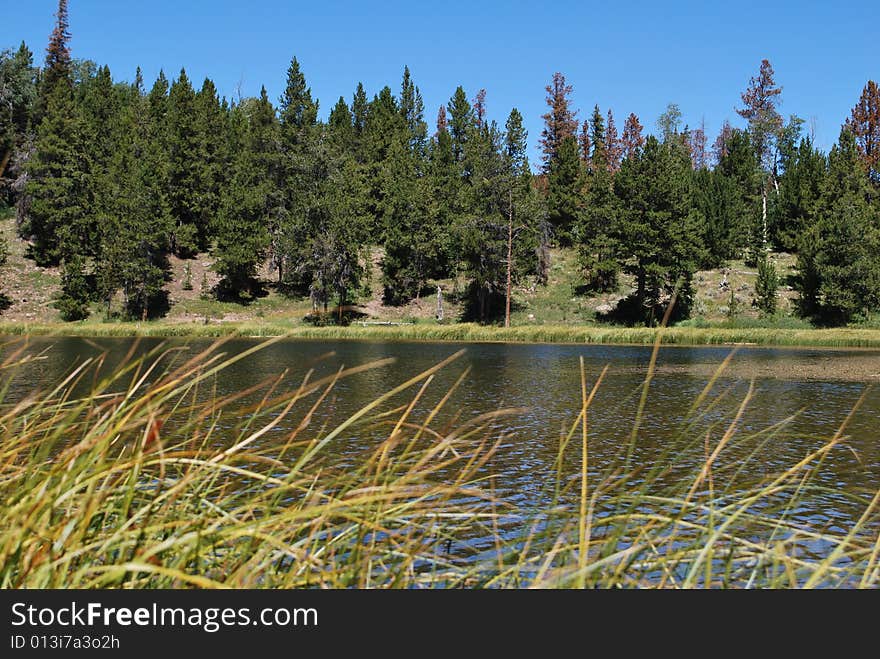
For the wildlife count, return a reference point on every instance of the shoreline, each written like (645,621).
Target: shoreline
(470,333)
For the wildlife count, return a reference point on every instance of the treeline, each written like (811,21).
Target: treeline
(111,178)
(660,207)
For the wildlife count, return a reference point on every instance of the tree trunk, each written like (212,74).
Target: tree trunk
(6,158)
(764,217)
(509,265)
(640,286)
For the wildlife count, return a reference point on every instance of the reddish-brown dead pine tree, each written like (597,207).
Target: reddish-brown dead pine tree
(720,145)
(58,63)
(441,120)
(632,139)
(479,104)
(559,122)
(697,143)
(765,122)
(613,144)
(759,109)
(865,126)
(584,142)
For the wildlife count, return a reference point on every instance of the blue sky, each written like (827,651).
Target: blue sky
(632,57)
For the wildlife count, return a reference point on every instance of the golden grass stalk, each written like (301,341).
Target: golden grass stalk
(145,477)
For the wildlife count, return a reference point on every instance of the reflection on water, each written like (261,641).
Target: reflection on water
(809,392)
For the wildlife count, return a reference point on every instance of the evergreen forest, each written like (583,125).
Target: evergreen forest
(109,179)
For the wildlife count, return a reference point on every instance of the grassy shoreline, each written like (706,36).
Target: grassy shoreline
(466,332)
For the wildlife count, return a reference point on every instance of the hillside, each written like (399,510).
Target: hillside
(31,289)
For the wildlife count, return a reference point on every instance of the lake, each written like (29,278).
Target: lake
(802,395)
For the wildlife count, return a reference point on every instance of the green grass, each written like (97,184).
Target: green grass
(130,485)
(468,332)
(557,303)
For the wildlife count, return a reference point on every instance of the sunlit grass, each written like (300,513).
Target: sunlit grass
(466,332)
(152,480)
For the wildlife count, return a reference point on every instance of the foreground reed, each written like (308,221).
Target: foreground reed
(145,477)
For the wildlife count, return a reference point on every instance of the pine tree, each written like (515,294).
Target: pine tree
(561,161)
(765,286)
(297,109)
(632,140)
(100,104)
(58,68)
(444,181)
(760,101)
(359,109)
(157,101)
(340,126)
(135,224)
(190,232)
(73,303)
(482,226)
(461,121)
(565,199)
(596,231)
(339,248)
(800,186)
(613,145)
(412,109)
(599,141)
(386,134)
(839,273)
(416,243)
(301,175)
(746,230)
(864,123)
(213,161)
(55,210)
(657,225)
(415,217)
(720,145)
(559,121)
(18,92)
(697,142)
(527,249)
(59,220)
(584,143)
(250,199)
(719,201)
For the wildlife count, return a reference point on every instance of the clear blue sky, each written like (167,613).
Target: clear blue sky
(633,57)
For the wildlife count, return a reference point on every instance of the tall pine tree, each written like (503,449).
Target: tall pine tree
(190,232)
(657,225)
(250,201)
(597,230)
(864,124)
(838,269)
(57,199)
(561,162)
